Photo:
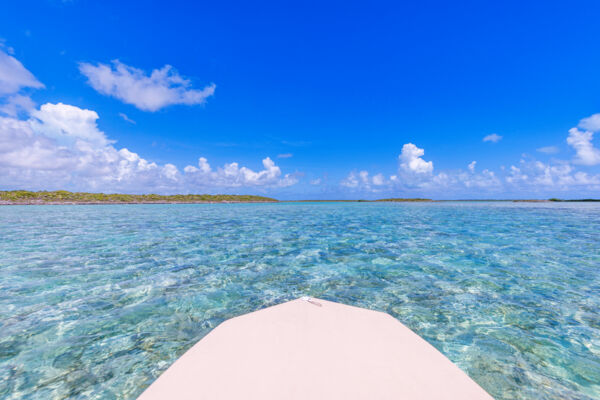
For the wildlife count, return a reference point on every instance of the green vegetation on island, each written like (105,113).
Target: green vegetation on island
(573,200)
(65,197)
(355,200)
(400,200)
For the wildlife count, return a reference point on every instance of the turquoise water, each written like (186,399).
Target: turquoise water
(97,301)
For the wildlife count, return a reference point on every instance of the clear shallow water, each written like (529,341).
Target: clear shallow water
(97,301)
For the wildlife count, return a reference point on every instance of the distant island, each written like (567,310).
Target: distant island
(64,197)
(575,200)
(402,200)
(356,200)
(25,197)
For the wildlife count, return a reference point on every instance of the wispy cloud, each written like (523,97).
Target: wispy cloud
(15,104)
(296,143)
(8,49)
(126,118)
(494,138)
(285,155)
(548,150)
(149,92)
(14,80)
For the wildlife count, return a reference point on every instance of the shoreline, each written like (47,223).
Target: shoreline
(99,203)
(63,197)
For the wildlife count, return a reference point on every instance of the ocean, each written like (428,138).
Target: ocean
(97,301)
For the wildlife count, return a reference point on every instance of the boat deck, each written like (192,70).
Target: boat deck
(313,349)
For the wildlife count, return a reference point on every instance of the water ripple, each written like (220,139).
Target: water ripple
(97,301)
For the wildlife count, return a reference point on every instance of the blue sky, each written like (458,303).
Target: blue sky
(302,100)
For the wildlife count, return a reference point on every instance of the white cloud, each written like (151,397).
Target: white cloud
(316,181)
(149,92)
(61,146)
(485,180)
(581,141)
(415,177)
(362,181)
(494,138)
(561,176)
(352,180)
(591,123)
(285,155)
(411,161)
(17,103)
(232,175)
(444,182)
(21,148)
(126,118)
(548,150)
(66,123)
(14,76)
(378,180)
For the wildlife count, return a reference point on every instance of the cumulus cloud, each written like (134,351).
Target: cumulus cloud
(485,180)
(411,161)
(232,175)
(378,180)
(580,139)
(446,182)
(67,124)
(415,177)
(353,179)
(561,176)
(21,148)
(149,92)
(494,138)
(61,146)
(363,181)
